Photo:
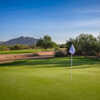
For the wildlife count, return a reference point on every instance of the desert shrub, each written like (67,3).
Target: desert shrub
(19,47)
(62,45)
(60,52)
(33,46)
(35,54)
(4,48)
(85,44)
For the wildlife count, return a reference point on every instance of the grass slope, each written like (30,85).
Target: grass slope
(50,79)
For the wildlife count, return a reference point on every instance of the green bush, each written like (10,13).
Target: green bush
(4,48)
(19,47)
(60,52)
(85,44)
(46,42)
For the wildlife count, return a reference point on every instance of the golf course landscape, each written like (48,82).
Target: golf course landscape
(50,79)
(49,49)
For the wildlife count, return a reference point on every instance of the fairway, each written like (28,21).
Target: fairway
(50,79)
(24,51)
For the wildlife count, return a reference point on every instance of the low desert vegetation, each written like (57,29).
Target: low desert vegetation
(61,52)
(85,45)
(44,44)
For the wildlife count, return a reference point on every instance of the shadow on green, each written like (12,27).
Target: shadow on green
(53,62)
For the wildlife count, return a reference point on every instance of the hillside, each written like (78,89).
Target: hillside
(1,42)
(21,40)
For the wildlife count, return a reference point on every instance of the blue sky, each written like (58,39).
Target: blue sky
(60,19)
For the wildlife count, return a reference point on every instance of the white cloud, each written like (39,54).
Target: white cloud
(88,23)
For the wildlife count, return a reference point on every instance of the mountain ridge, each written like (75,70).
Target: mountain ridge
(21,40)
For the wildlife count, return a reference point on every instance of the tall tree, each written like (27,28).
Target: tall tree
(46,42)
(85,44)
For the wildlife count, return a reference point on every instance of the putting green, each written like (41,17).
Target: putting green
(50,79)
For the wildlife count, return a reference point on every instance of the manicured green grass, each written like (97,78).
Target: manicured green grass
(24,51)
(50,79)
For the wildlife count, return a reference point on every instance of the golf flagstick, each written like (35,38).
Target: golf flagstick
(72,52)
(71,61)
(70,74)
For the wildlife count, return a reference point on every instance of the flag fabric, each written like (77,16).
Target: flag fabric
(72,50)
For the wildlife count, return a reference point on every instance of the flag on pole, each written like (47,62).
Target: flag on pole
(72,50)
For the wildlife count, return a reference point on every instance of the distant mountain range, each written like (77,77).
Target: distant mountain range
(21,40)
(1,42)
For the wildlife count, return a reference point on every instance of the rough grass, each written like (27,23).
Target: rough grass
(24,51)
(50,79)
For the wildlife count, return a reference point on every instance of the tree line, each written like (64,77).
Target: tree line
(85,44)
(45,43)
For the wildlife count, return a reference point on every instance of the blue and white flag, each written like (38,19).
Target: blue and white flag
(72,50)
